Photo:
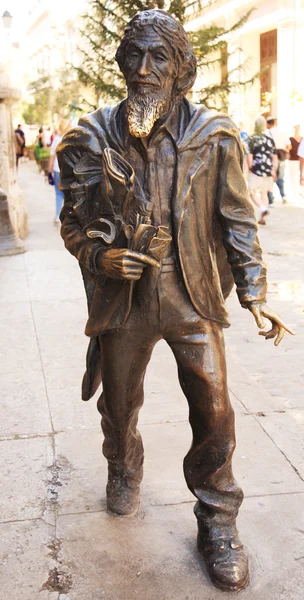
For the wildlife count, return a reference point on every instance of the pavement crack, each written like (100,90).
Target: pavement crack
(280,449)
(59,576)
(25,436)
(8,521)
(58,475)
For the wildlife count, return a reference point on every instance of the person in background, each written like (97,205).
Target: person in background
(47,137)
(282,146)
(41,138)
(54,171)
(19,139)
(294,163)
(243,134)
(301,158)
(244,137)
(262,165)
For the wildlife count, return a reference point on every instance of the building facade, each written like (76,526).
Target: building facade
(270,42)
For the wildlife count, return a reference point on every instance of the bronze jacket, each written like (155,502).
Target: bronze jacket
(210,210)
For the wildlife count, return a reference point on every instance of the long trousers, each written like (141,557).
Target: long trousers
(58,194)
(198,347)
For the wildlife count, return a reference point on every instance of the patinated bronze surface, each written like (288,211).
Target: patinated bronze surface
(157,213)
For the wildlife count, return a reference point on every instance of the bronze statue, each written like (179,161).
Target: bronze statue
(155,204)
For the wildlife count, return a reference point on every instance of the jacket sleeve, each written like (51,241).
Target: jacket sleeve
(75,240)
(239,226)
(70,150)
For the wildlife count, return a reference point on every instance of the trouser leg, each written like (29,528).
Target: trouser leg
(280,184)
(207,466)
(58,193)
(124,358)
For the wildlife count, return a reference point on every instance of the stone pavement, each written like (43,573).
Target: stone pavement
(57,540)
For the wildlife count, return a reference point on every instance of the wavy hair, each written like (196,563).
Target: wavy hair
(174,34)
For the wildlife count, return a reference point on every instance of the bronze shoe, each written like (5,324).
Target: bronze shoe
(226,560)
(121,499)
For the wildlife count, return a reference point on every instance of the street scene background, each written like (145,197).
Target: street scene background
(57,540)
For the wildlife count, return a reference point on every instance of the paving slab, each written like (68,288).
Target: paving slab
(18,349)
(11,263)
(287,432)
(55,258)
(250,394)
(14,286)
(60,325)
(55,284)
(25,560)
(154,557)
(26,478)
(24,406)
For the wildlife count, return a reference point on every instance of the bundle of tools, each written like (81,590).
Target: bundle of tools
(109,191)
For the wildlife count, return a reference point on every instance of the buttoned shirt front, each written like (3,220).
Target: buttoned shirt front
(154,162)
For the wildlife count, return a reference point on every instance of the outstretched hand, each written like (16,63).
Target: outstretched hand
(278,326)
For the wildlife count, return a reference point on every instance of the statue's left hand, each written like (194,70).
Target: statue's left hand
(278,326)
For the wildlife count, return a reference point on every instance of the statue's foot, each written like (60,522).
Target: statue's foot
(226,561)
(121,499)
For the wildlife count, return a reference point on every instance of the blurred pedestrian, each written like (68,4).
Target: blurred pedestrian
(262,165)
(19,139)
(54,171)
(47,137)
(243,133)
(281,142)
(294,163)
(41,138)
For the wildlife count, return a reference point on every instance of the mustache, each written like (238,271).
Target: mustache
(145,80)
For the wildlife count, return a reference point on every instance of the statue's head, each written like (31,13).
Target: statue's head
(159,65)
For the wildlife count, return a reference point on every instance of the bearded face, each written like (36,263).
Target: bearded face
(150,73)
(144,110)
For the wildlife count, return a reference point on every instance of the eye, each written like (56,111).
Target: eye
(134,55)
(160,58)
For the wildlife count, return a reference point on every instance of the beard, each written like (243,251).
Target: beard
(144,109)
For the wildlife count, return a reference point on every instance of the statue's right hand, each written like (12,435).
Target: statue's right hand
(119,263)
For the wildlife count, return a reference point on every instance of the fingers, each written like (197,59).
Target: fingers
(142,258)
(132,273)
(255,309)
(275,318)
(279,336)
(132,276)
(275,332)
(268,335)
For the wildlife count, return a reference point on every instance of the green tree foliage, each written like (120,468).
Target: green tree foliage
(37,112)
(61,98)
(103,27)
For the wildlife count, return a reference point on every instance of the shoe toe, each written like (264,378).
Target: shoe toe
(122,500)
(231,574)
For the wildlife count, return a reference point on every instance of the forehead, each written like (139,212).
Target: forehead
(148,38)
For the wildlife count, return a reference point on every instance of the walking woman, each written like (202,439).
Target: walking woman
(262,165)
(54,171)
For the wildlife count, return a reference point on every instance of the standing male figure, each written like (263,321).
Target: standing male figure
(281,143)
(188,163)
(19,139)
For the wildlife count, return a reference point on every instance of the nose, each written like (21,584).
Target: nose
(144,68)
